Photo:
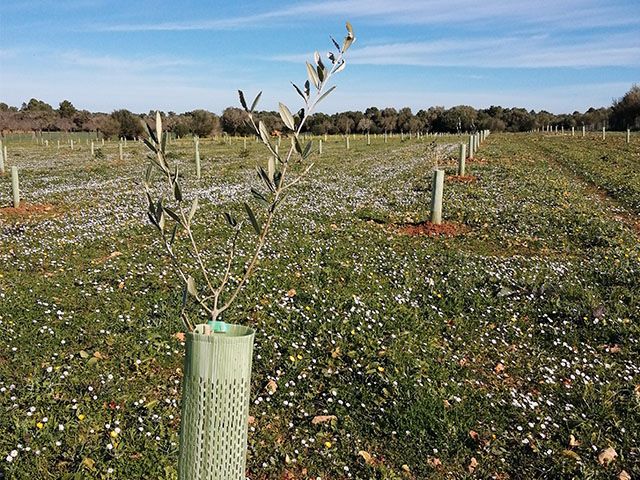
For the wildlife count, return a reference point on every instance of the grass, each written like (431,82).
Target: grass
(478,355)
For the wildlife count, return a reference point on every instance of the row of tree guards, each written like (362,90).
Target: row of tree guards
(437,179)
(550,129)
(473,144)
(122,142)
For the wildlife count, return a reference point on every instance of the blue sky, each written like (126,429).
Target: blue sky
(558,55)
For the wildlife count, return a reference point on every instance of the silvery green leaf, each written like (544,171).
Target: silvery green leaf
(191,286)
(307,150)
(340,67)
(152,134)
(184,296)
(192,211)
(313,76)
(173,234)
(158,164)
(264,176)
(349,39)
(255,101)
(316,57)
(158,209)
(347,43)
(260,197)
(177,191)
(334,42)
(307,88)
(325,94)
(152,219)
(304,97)
(230,219)
(150,145)
(242,101)
(147,175)
(252,218)
(173,215)
(297,145)
(264,134)
(161,221)
(271,167)
(158,126)
(286,116)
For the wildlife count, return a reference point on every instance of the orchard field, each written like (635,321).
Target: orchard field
(504,345)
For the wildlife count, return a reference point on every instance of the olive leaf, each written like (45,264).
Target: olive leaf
(255,101)
(286,116)
(313,76)
(252,218)
(191,287)
(243,101)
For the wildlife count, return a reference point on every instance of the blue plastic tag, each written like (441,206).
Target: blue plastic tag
(218,326)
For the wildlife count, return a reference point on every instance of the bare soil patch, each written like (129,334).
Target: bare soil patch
(30,210)
(447,229)
(462,178)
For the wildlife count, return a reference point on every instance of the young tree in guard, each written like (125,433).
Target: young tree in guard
(218,356)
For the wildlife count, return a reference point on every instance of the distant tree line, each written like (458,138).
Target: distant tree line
(37,115)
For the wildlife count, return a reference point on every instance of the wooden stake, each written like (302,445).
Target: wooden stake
(198,172)
(462,159)
(15,186)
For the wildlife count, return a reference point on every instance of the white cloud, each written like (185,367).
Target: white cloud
(499,52)
(566,14)
(110,62)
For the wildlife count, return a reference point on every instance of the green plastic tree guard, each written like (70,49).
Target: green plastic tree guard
(198,171)
(215,404)
(437,186)
(15,186)
(461,159)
